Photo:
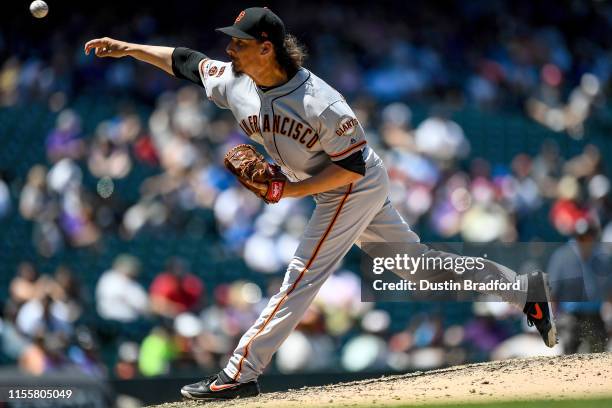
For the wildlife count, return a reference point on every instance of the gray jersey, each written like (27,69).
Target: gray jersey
(304,124)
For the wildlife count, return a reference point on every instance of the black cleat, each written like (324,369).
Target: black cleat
(538,310)
(220,387)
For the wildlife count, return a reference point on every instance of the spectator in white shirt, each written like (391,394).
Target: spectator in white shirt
(118,294)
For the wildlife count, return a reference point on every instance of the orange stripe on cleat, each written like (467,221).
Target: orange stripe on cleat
(214,387)
(538,314)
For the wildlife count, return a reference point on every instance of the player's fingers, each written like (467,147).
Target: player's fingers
(93,46)
(102,51)
(89,45)
(98,44)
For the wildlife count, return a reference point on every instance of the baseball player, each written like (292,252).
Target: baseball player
(308,128)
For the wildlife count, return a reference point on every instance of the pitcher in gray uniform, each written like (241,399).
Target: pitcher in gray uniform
(309,129)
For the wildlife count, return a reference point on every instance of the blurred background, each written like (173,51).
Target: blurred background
(128,254)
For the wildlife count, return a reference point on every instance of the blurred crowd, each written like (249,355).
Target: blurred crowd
(39,327)
(174,327)
(545,60)
(184,140)
(548,56)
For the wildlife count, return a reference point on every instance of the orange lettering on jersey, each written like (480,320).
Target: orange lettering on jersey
(250,119)
(285,126)
(283,131)
(266,123)
(312,141)
(307,131)
(221,71)
(212,71)
(245,126)
(291,127)
(255,124)
(296,132)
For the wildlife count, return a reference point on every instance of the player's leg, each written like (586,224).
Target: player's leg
(337,221)
(388,226)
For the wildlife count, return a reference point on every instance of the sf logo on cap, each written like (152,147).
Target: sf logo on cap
(242,13)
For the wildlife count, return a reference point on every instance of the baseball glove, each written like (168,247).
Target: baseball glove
(248,165)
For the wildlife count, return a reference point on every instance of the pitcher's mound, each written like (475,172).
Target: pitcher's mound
(541,378)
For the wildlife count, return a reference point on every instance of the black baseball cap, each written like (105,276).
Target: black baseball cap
(257,23)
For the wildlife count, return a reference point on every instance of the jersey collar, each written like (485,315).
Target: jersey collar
(295,82)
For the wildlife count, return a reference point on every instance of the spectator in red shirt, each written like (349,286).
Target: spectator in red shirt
(175,290)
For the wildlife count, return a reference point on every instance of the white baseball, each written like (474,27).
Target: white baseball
(39,8)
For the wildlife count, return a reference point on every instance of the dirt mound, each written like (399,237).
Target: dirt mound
(541,378)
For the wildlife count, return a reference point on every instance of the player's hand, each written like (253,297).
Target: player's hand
(263,188)
(107,47)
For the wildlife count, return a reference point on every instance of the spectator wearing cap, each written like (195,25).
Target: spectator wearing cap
(175,290)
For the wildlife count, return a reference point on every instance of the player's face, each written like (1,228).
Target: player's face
(245,55)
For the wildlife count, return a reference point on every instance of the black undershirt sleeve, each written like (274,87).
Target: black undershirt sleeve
(354,163)
(185,63)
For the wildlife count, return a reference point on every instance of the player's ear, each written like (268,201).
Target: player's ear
(266,48)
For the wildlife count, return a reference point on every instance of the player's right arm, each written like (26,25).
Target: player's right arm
(180,62)
(159,56)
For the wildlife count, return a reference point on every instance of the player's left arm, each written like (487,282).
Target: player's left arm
(340,133)
(343,139)
(332,177)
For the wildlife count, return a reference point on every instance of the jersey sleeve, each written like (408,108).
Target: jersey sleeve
(217,78)
(186,64)
(340,132)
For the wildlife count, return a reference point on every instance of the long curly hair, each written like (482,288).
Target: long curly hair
(291,54)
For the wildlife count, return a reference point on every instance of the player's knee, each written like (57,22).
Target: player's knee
(294,269)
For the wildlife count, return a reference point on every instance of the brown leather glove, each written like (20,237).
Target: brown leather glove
(248,165)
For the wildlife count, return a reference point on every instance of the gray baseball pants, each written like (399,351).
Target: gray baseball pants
(359,212)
